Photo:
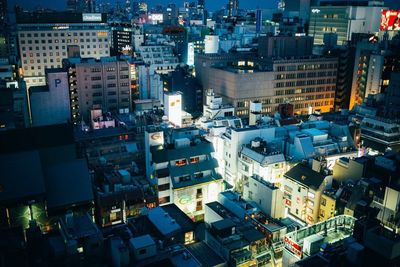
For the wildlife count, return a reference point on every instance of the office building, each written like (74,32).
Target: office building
(121,38)
(105,83)
(308,83)
(182,166)
(343,20)
(232,7)
(45,39)
(192,92)
(285,46)
(367,72)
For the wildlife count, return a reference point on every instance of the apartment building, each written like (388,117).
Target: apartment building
(46,38)
(181,164)
(265,161)
(303,187)
(105,82)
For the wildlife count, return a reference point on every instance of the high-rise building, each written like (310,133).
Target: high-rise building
(233,6)
(367,72)
(105,82)
(121,38)
(47,38)
(343,20)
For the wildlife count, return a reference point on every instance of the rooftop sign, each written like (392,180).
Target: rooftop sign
(94,17)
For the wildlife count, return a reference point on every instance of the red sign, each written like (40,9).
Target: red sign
(288,202)
(390,20)
(292,246)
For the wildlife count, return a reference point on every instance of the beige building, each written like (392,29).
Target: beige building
(303,188)
(105,82)
(45,39)
(308,83)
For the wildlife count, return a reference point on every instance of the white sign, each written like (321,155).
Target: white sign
(190,58)
(91,17)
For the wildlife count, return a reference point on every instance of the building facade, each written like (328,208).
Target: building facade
(45,39)
(105,82)
(183,168)
(308,83)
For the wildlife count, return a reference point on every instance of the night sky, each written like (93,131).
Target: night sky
(210,4)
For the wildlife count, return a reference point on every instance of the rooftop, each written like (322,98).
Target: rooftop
(305,175)
(142,241)
(21,177)
(57,17)
(68,184)
(81,226)
(164,223)
(205,255)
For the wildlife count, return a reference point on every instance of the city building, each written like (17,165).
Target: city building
(308,83)
(267,196)
(104,83)
(343,20)
(120,196)
(50,104)
(45,39)
(303,187)
(367,72)
(182,165)
(262,161)
(285,46)
(297,143)
(81,236)
(192,92)
(307,241)
(121,38)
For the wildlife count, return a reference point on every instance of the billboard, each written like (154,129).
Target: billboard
(91,17)
(390,20)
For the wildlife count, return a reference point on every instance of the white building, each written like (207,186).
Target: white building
(211,44)
(302,142)
(173,108)
(263,160)
(266,195)
(181,163)
(158,59)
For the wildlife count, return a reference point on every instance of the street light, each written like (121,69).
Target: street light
(315,11)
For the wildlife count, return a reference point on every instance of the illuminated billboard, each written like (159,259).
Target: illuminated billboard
(390,20)
(91,17)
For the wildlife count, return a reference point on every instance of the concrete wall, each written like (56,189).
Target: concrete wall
(52,106)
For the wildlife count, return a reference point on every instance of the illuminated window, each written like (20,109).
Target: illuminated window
(194,160)
(181,162)
(188,237)
(199,205)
